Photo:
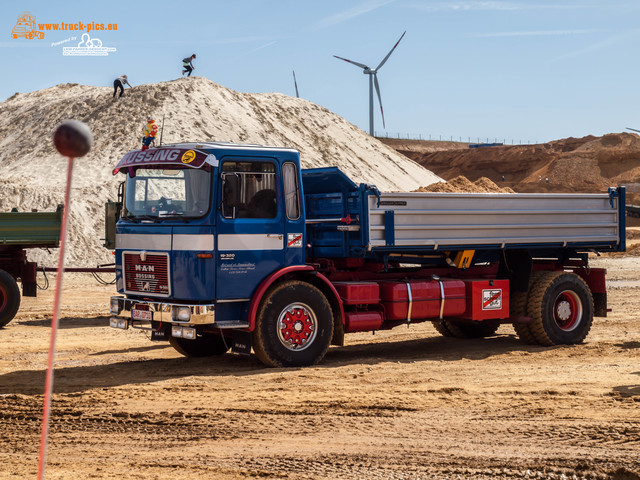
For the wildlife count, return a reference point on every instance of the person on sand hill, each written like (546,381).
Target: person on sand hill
(119,83)
(188,65)
(149,133)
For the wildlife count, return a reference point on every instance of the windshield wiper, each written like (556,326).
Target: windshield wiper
(139,218)
(178,215)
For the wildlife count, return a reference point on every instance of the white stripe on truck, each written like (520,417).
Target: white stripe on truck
(136,241)
(259,241)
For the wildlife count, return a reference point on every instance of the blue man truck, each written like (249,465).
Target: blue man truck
(224,247)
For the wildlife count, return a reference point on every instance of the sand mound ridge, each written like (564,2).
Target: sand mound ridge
(194,109)
(462,184)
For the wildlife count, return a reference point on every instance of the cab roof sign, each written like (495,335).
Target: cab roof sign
(177,157)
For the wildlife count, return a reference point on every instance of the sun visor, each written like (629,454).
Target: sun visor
(182,157)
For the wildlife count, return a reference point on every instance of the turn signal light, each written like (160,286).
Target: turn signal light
(204,255)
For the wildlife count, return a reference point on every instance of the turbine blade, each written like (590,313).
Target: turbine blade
(351,61)
(390,52)
(633,129)
(296,84)
(375,81)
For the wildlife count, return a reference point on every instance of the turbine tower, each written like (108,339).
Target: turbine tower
(373,80)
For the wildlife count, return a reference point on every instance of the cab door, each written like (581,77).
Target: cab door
(251,234)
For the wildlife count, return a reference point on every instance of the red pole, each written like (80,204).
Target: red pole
(48,388)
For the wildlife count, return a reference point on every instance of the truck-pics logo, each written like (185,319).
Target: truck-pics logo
(26,27)
(492,299)
(89,47)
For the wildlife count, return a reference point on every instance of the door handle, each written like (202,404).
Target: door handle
(274,235)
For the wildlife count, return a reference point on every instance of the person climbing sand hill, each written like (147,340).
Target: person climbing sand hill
(187,65)
(119,83)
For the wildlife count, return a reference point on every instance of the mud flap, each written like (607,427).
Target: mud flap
(160,331)
(241,342)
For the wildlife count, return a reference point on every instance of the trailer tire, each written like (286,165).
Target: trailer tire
(294,326)
(203,346)
(9,298)
(561,308)
(482,329)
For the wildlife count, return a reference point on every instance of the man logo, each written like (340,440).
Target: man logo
(146,287)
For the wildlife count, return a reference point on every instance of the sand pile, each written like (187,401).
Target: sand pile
(462,184)
(195,109)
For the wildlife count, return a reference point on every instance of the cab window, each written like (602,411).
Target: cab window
(249,190)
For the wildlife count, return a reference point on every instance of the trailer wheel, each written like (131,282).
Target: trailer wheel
(203,346)
(294,326)
(9,298)
(466,330)
(561,309)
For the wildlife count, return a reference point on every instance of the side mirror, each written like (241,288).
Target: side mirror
(231,190)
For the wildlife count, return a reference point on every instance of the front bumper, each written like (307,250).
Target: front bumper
(188,315)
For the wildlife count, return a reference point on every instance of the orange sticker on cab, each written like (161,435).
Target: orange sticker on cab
(188,156)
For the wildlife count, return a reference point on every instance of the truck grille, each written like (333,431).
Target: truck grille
(146,274)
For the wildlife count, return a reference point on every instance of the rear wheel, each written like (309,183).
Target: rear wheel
(294,326)
(203,346)
(482,329)
(518,308)
(561,309)
(9,298)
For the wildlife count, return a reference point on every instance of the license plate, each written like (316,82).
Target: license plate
(141,314)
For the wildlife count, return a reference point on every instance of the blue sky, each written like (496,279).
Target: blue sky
(518,70)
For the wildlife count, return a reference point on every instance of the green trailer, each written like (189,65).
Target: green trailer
(633,210)
(20,231)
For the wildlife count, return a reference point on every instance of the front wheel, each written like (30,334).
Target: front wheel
(561,309)
(9,298)
(203,346)
(294,326)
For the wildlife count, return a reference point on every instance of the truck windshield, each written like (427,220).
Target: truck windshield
(168,193)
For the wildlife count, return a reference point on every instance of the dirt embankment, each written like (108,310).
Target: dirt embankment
(588,164)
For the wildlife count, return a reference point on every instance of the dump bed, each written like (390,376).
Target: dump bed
(350,220)
(30,229)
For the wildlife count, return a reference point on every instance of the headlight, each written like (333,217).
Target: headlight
(115,306)
(182,314)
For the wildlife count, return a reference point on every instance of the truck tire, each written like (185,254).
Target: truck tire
(203,346)
(482,329)
(561,309)
(9,298)
(518,308)
(294,326)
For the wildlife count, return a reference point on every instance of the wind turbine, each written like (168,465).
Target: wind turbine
(296,84)
(373,79)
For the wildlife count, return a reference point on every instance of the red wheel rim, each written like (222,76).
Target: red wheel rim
(297,326)
(567,310)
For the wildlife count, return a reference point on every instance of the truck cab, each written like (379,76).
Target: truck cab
(202,226)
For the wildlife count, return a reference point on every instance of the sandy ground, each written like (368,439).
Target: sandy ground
(403,404)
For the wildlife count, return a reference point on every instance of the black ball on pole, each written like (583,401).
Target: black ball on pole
(73,139)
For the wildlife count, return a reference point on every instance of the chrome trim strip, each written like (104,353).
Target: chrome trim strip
(141,241)
(259,241)
(193,242)
(441,298)
(410,298)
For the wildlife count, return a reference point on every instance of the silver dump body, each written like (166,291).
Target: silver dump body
(436,221)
